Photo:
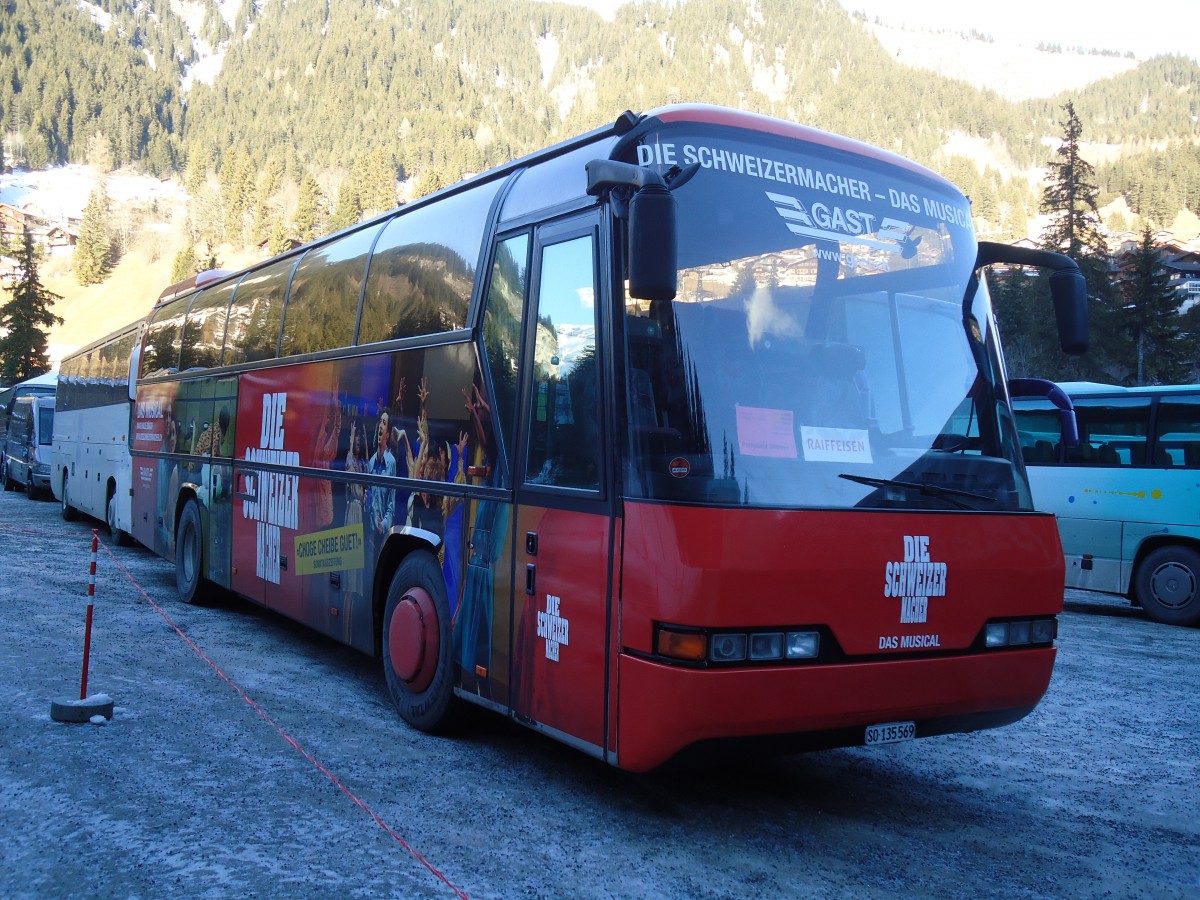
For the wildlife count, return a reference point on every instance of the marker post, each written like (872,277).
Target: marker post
(87,628)
(85,708)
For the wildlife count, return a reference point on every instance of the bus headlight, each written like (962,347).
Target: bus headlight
(803,644)
(727,647)
(767,645)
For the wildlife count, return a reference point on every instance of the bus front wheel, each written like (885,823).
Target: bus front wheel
(1168,585)
(417,643)
(189,553)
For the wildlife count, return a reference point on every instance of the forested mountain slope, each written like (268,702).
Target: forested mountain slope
(453,87)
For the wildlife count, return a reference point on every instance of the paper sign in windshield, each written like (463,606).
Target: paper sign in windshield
(846,445)
(766,432)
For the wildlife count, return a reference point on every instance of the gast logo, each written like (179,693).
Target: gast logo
(915,579)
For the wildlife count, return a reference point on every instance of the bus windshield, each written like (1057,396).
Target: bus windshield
(828,346)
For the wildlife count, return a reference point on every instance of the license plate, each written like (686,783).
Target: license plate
(890,733)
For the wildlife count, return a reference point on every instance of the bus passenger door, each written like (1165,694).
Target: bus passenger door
(564,528)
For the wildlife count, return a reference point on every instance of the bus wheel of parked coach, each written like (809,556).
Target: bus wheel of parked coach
(689,430)
(1126,493)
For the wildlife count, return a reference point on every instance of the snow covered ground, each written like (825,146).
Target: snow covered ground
(61,193)
(249,757)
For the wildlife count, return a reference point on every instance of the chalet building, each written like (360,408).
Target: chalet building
(55,237)
(1181,260)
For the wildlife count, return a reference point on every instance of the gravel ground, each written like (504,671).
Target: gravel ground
(249,757)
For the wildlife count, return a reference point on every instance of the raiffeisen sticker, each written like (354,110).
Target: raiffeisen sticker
(847,445)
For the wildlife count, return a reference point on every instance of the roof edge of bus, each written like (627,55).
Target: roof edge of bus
(198,280)
(1083,388)
(101,341)
(721,115)
(46,378)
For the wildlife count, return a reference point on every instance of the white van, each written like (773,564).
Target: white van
(29,445)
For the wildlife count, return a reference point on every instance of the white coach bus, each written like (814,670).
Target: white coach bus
(92,468)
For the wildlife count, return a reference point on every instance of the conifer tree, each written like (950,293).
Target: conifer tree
(23,319)
(278,241)
(431,180)
(1150,315)
(308,218)
(349,208)
(1070,197)
(93,252)
(377,180)
(1075,228)
(184,264)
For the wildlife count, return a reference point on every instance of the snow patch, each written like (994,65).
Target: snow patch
(547,50)
(62,192)
(98,15)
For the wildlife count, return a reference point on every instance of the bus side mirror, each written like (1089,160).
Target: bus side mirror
(1041,389)
(653,274)
(1068,290)
(1068,287)
(651,212)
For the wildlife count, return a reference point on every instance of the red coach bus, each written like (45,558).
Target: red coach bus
(692,428)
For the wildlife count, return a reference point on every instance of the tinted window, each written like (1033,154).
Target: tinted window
(558,180)
(502,328)
(256,314)
(1177,435)
(564,426)
(161,356)
(323,300)
(1113,431)
(423,268)
(45,425)
(204,328)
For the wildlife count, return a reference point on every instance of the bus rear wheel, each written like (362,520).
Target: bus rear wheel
(417,643)
(189,553)
(119,536)
(1168,585)
(69,513)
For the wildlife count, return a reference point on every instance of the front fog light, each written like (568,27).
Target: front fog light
(803,644)
(727,647)
(766,646)
(996,634)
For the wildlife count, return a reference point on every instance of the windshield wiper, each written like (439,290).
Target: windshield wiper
(932,490)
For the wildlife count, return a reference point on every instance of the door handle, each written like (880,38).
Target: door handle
(530,579)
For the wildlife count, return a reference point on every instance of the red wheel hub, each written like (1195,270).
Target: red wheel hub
(414,639)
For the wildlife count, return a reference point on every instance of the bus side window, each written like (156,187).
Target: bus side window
(564,423)
(1177,433)
(256,314)
(423,267)
(323,298)
(161,355)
